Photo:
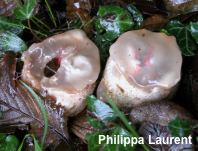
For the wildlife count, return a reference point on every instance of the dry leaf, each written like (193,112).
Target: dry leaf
(7,7)
(155,22)
(81,9)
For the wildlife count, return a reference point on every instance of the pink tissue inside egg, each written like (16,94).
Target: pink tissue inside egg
(147,58)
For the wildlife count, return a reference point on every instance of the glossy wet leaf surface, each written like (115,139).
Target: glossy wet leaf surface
(5,24)
(25,11)
(180,128)
(103,46)
(8,143)
(95,145)
(100,114)
(183,36)
(194,30)
(11,42)
(137,16)
(112,20)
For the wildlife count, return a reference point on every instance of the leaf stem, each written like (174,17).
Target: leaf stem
(42,109)
(124,120)
(32,30)
(53,19)
(23,27)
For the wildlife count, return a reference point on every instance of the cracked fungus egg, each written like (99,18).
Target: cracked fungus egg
(65,66)
(143,66)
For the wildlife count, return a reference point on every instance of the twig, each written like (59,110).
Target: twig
(29,25)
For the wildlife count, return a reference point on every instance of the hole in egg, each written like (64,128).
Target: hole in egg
(52,67)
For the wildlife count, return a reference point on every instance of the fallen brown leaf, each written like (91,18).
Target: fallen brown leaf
(155,22)
(21,110)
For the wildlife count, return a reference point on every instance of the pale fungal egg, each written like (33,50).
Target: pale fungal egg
(73,58)
(143,66)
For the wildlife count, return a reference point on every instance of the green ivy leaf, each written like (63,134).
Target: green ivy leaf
(194,30)
(180,128)
(183,35)
(101,111)
(2,137)
(95,123)
(94,144)
(25,11)
(9,143)
(137,16)
(113,20)
(11,42)
(103,46)
(6,24)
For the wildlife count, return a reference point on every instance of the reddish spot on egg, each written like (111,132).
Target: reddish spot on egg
(147,60)
(87,44)
(137,68)
(137,57)
(57,61)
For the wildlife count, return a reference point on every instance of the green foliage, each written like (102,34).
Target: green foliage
(42,109)
(103,114)
(194,30)
(113,20)
(103,46)
(9,143)
(24,12)
(76,24)
(94,143)
(51,14)
(100,111)
(165,31)
(17,30)
(11,42)
(123,119)
(180,128)
(183,35)
(137,16)
(37,147)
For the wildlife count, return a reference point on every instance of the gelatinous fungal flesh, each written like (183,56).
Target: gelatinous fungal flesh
(142,66)
(77,58)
